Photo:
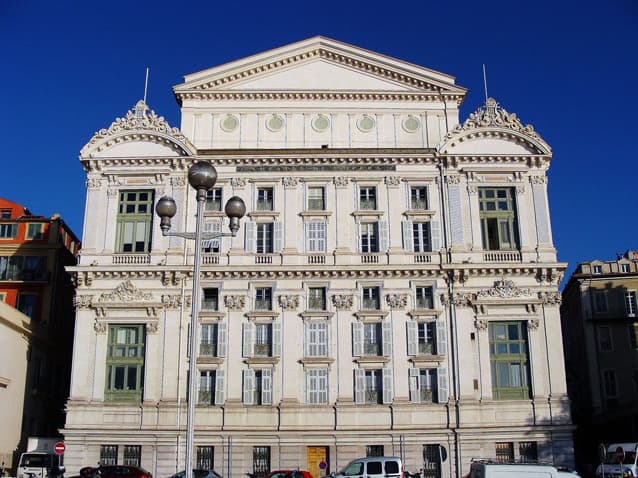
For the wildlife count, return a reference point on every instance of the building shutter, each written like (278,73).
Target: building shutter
(276,339)
(220,395)
(441,337)
(357,339)
(435,231)
(415,396)
(278,242)
(442,384)
(249,386)
(266,387)
(412,328)
(249,243)
(384,236)
(357,230)
(388,392)
(306,235)
(307,345)
(408,238)
(222,337)
(248,334)
(359,386)
(204,386)
(386,327)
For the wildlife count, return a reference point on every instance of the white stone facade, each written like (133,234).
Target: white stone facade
(364,230)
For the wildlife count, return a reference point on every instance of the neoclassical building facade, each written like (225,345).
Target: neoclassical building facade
(392,289)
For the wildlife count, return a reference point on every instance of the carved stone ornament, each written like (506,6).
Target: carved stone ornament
(235,302)
(99,327)
(481,324)
(397,301)
(520,188)
(532,324)
(462,299)
(472,189)
(392,181)
(341,181)
(237,182)
(290,183)
(112,192)
(550,298)
(178,181)
(82,301)
(93,183)
(491,114)
(151,327)
(342,301)
(174,301)
(456,179)
(125,292)
(503,289)
(288,302)
(538,179)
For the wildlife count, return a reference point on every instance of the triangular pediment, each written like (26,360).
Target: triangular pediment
(318,65)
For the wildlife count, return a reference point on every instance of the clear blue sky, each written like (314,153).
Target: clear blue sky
(570,68)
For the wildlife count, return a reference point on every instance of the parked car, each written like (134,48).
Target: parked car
(122,471)
(289,474)
(373,467)
(198,474)
(493,469)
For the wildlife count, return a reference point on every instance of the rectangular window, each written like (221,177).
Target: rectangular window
(205,458)
(265,199)
(419,197)
(5,213)
(369,237)
(425,384)
(3,296)
(372,339)
(624,268)
(374,450)
(633,335)
(210,299)
(11,267)
(26,304)
(263,298)
(505,452)
(317,339)
(421,237)
(34,230)
(597,269)
(265,234)
(108,454)
(600,301)
(373,386)
(8,231)
(134,221)
(125,363)
(263,340)
(132,455)
(371,298)
(426,333)
(609,383)
(368,198)
(630,303)
(206,393)
(509,360)
(317,386)
(316,201)
(261,461)
(424,298)
(431,461)
(528,451)
(604,339)
(497,208)
(214,199)
(316,298)
(212,246)
(208,342)
(35,268)
(316,236)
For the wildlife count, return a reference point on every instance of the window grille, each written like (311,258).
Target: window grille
(108,454)
(132,455)
(431,461)
(528,451)
(205,458)
(505,452)
(374,450)
(261,461)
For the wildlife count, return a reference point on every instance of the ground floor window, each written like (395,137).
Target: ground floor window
(205,458)
(528,451)
(431,461)
(374,450)
(505,452)
(261,461)
(108,454)
(132,455)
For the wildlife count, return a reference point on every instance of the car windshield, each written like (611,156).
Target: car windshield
(630,457)
(353,468)
(36,460)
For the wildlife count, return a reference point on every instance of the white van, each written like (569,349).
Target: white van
(617,452)
(488,469)
(36,464)
(373,467)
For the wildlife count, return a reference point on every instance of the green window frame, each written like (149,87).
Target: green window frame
(34,230)
(8,231)
(499,225)
(125,363)
(134,221)
(509,360)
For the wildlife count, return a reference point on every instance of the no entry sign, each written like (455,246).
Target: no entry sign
(59,448)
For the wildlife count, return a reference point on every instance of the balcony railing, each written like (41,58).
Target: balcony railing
(369,258)
(210,259)
(263,259)
(502,256)
(263,350)
(131,259)
(425,349)
(423,257)
(316,259)
(208,349)
(372,348)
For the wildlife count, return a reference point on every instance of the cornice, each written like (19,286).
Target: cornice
(318,96)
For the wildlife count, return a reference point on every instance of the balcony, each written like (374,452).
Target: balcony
(369,258)
(208,349)
(502,256)
(131,258)
(423,258)
(210,259)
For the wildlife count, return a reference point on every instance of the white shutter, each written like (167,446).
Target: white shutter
(306,235)
(357,339)
(359,386)
(221,339)
(357,231)
(413,337)
(307,337)
(386,327)
(266,387)
(219,387)
(248,335)
(322,385)
(249,386)
(435,232)
(408,238)
(441,337)
(442,385)
(308,373)
(278,241)
(204,386)
(415,396)
(249,243)
(276,339)
(384,236)
(388,392)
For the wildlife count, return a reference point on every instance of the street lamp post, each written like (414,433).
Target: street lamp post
(202,177)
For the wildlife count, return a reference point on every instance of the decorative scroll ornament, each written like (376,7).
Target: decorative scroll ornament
(472,189)
(92,183)
(99,327)
(175,301)
(392,181)
(456,179)
(550,298)
(538,179)
(533,324)
(237,182)
(342,301)
(492,115)
(397,301)
(178,181)
(288,302)
(480,324)
(112,192)
(503,289)
(341,182)
(151,327)
(235,302)
(125,292)
(461,299)
(82,301)
(290,183)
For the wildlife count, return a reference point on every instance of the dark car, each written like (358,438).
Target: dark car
(122,471)
(198,474)
(289,474)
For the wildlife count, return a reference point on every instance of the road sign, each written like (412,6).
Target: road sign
(59,448)
(323,465)
(620,454)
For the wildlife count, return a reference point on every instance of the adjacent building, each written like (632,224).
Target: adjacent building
(37,338)
(600,334)
(392,289)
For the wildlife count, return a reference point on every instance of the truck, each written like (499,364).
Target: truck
(40,459)
(619,461)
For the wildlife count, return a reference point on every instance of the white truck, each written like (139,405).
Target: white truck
(40,460)
(619,462)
